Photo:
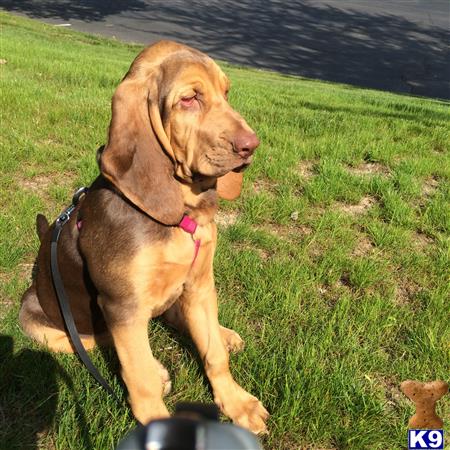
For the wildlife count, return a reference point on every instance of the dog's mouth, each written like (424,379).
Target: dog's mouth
(243,166)
(217,167)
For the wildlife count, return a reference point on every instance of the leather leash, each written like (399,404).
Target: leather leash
(187,224)
(62,296)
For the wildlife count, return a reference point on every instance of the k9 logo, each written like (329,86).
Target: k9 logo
(428,439)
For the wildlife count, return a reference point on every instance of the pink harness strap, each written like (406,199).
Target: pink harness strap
(190,225)
(187,224)
(197,248)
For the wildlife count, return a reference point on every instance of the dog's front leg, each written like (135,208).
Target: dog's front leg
(174,317)
(199,308)
(140,370)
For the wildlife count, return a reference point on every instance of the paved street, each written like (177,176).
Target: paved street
(400,46)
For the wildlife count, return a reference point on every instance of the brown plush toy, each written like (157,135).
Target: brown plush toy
(425,396)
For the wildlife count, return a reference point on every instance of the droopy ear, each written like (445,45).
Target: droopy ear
(230,185)
(134,160)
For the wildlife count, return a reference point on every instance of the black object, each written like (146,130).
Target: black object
(194,426)
(62,296)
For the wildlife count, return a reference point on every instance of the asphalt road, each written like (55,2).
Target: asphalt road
(399,46)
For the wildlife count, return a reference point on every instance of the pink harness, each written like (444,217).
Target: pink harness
(187,224)
(190,225)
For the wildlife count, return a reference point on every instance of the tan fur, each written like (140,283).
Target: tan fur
(34,323)
(165,156)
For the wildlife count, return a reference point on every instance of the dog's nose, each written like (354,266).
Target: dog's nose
(245,144)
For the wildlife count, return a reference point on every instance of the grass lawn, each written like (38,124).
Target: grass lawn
(333,265)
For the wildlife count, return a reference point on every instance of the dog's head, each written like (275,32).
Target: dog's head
(171,121)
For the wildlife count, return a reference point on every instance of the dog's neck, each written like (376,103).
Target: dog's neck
(200,199)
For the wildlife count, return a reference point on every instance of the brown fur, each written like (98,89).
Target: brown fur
(173,138)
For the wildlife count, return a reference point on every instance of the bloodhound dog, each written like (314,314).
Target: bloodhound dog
(141,242)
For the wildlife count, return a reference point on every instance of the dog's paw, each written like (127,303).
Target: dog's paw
(252,415)
(232,341)
(244,410)
(165,378)
(147,411)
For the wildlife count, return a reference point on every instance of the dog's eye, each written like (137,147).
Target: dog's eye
(187,102)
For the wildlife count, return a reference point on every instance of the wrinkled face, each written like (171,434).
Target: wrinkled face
(206,134)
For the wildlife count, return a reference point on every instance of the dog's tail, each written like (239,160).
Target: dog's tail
(41,226)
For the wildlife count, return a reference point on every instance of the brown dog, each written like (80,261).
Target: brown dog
(123,257)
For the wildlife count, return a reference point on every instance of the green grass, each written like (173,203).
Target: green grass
(333,265)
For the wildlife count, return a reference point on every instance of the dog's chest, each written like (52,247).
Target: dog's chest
(159,271)
(160,305)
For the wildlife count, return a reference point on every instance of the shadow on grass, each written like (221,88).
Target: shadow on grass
(29,388)
(367,112)
(29,396)
(363,47)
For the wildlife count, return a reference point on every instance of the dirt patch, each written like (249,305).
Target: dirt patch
(430,186)
(39,183)
(355,210)
(363,247)
(315,251)
(4,277)
(421,240)
(369,169)
(405,291)
(263,254)
(306,169)
(392,393)
(226,218)
(304,230)
(263,185)
(5,305)
(331,294)
(26,271)
(344,281)
(289,232)
(439,149)
(337,287)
